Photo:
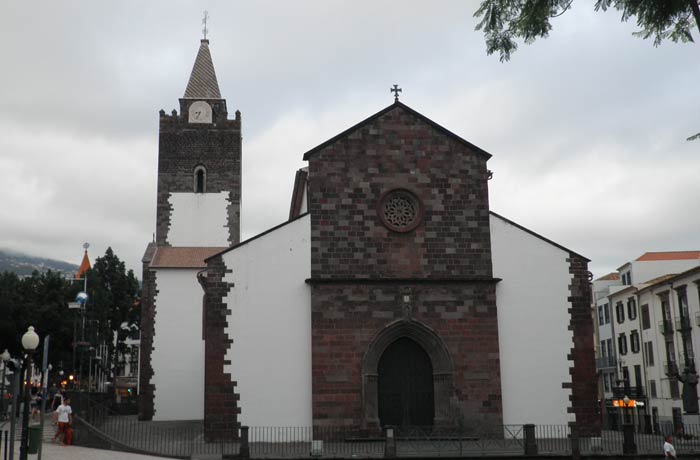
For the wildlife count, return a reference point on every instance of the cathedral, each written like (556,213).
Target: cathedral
(392,294)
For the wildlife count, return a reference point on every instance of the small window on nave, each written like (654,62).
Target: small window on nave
(200,179)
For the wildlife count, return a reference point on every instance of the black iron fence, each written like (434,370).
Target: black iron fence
(99,426)
(5,444)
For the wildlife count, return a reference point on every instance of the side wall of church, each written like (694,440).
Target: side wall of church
(545,331)
(183,147)
(178,346)
(533,319)
(270,322)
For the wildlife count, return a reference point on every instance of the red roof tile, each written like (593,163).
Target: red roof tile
(188,257)
(670,255)
(609,277)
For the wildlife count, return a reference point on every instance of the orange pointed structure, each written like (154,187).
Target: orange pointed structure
(84,266)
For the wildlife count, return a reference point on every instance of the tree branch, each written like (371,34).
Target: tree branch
(696,11)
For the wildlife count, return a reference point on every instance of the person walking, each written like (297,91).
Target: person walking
(669,450)
(64,417)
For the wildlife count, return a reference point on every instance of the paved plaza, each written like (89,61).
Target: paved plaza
(57,452)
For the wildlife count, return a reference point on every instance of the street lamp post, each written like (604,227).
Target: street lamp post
(30,341)
(5,356)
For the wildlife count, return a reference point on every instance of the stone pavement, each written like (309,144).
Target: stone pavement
(58,452)
(52,451)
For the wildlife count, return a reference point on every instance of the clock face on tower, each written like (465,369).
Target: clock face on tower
(200,112)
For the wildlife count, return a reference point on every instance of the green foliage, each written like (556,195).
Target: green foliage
(113,292)
(504,22)
(41,300)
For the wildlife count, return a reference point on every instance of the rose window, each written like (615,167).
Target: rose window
(400,210)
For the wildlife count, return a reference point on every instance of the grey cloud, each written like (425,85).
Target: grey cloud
(587,127)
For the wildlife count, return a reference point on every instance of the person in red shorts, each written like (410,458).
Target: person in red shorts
(64,417)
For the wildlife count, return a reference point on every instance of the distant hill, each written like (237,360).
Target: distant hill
(24,265)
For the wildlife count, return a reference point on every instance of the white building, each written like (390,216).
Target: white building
(646,357)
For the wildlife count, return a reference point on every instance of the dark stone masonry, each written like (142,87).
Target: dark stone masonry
(220,398)
(427,276)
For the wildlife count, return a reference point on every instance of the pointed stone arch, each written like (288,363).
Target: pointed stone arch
(443,369)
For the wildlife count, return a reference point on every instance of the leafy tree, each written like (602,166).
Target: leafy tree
(41,300)
(113,293)
(506,21)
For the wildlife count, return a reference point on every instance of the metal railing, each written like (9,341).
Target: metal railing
(632,392)
(100,427)
(670,368)
(666,327)
(683,323)
(606,362)
(299,442)
(686,362)
(5,444)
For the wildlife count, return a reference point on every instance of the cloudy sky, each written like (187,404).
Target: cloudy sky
(587,128)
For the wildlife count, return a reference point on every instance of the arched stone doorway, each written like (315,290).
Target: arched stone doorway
(419,339)
(405,385)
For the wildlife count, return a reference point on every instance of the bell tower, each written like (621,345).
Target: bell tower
(197,215)
(199,165)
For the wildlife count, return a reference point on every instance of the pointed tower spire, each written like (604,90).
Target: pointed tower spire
(203,83)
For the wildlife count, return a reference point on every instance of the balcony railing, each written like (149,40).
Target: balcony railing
(666,327)
(670,368)
(606,362)
(683,323)
(632,392)
(684,363)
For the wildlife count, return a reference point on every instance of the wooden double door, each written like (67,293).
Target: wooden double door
(405,385)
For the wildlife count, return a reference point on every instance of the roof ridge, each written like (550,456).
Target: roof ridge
(420,116)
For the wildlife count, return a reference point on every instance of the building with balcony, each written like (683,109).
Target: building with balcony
(645,337)
(606,356)
(673,305)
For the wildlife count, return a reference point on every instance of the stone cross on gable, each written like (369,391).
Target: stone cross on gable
(396,90)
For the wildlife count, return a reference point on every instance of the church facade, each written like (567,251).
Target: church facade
(392,295)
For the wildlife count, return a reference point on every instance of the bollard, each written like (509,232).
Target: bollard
(628,444)
(575,442)
(244,451)
(390,442)
(530,441)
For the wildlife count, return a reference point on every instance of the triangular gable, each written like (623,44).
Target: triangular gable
(398,105)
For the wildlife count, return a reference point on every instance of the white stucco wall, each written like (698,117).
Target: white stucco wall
(178,348)
(199,219)
(643,271)
(270,324)
(533,325)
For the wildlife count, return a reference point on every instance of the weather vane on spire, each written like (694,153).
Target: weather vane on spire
(396,90)
(204,23)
